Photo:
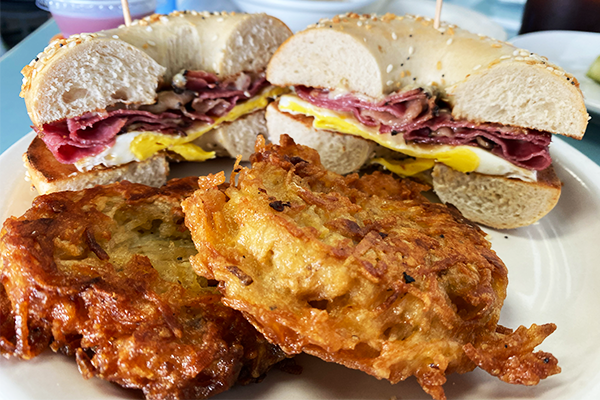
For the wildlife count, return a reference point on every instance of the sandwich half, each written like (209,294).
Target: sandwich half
(110,105)
(476,112)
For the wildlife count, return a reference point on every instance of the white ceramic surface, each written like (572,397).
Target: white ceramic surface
(554,277)
(573,51)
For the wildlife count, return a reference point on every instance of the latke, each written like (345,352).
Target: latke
(359,270)
(104,275)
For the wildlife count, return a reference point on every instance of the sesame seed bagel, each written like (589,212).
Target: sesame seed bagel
(90,72)
(360,75)
(482,79)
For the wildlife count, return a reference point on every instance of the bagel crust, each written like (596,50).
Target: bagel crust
(482,79)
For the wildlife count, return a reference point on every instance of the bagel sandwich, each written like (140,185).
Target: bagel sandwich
(475,113)
(117,104)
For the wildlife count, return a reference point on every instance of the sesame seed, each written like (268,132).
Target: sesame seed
(163,18)
(151,43)
(115,36)
(389,68)
(411,50)
(359,23)
(394,36)
(219,19)
(504,57)
(519,59)
(72,44)
(247,93)
(449,42)
(475,68)
(149,28)
(389,83)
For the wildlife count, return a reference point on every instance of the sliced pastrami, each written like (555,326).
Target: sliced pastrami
(401,111)
(415,114)
(203,99)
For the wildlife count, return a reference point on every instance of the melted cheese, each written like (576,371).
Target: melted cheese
(460,158)
(140,145)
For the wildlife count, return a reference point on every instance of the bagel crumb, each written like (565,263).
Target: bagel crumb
(496,45)
(402,74)
(438,65)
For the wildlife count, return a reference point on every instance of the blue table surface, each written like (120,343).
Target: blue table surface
(15,123)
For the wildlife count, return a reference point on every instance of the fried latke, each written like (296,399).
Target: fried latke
(359,270)
(104,275)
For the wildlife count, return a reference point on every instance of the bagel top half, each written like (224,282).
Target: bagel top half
(482,79)
(90,72)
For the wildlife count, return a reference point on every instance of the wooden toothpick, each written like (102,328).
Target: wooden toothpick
(438,13)
(126,14)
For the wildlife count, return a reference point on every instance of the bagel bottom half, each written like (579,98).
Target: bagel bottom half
(495,201)
(235,138)
(48,175)
(339,152)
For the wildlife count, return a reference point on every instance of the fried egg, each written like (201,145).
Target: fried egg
(461,158)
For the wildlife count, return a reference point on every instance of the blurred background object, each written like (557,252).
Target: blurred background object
(569,15)
(18,18)
(298,14)
(205,5)
(77,16)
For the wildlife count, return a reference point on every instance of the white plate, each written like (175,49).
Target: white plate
(573,51)
(470,20)
(554,277)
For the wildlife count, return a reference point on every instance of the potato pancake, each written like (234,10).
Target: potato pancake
(359,270)
(104,274)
